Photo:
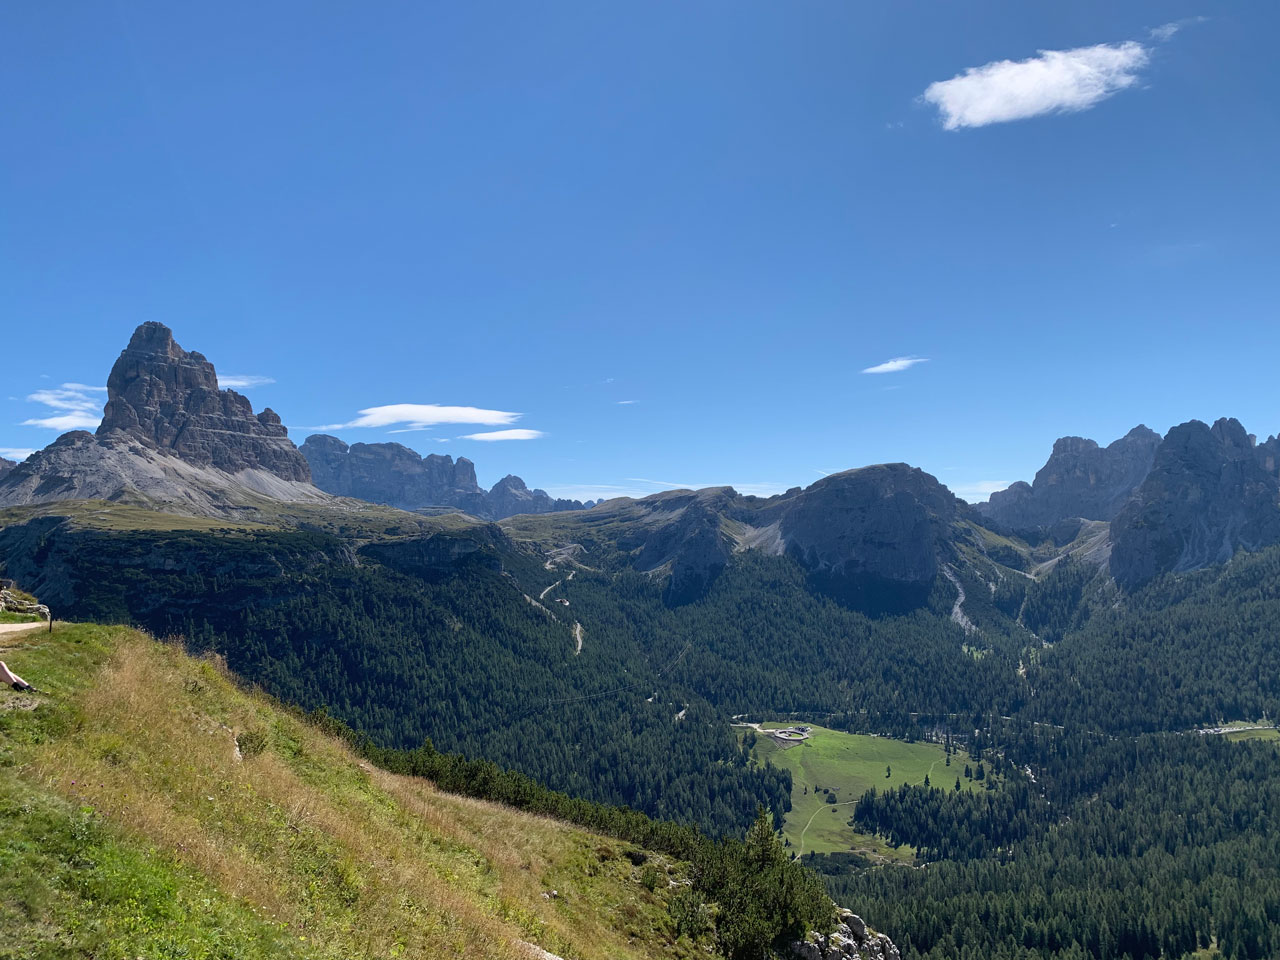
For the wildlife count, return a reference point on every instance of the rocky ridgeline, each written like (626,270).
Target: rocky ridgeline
(1212,491)
(873,535)
(851,940)
(1080,479)
(393,474)
(6,466)
(10,602)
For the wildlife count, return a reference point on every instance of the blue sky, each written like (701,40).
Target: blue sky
(664,239)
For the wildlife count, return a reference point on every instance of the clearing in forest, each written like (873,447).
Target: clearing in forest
(848,765)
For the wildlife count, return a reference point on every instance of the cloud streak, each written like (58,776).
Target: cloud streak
(421,416)
(1055,81)
(72,406)
(896,365)
(493,435)
(242,381)
(16,453)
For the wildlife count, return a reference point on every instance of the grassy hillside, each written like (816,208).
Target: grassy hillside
(151,808)
(846,766)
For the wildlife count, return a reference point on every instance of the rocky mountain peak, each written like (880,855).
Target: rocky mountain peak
(6,466)
(168,399)
(1080,479)
(1210,492)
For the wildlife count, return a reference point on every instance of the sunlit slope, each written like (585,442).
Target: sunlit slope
(149,808)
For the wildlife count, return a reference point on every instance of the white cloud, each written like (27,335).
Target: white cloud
(242,381)
(1056,81)
(16,453)
(896,364)
(72,406)
(420,416)
(625,403)
(979,490)
(504,435)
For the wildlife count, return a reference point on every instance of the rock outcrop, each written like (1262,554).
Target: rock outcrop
(392,474)
(1080,479)
(170,439)
(6,466)
(851,940)
(1211,492)
(10,602)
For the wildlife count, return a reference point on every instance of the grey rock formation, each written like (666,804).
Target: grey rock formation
(168,399)
(509,496)
(1211,492)
(1080,479)
(851,940)
(872,536)
(10,602)
(169,439)
(6,466)
(392,474)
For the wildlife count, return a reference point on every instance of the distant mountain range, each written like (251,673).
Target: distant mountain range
(392,474)
(170,439)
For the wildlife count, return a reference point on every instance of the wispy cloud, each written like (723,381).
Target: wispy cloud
(72,406)
(979,490)
(420,416)
(16,453)
(1164,33)
(242,381)
(896,365)
(625,403)
(493,435)
(1055,81)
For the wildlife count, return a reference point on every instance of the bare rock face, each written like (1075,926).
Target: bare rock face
(884,523)
(1080,479)
(6,466)
(168,398)
(871,536)
(169,438)
(851,940)
(509,496)
(1211,492)
(392,474)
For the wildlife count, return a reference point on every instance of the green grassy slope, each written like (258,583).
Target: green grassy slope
(149,807)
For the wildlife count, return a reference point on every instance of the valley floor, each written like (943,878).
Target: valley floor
(847,765)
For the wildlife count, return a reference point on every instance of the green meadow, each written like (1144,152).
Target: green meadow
(848,765)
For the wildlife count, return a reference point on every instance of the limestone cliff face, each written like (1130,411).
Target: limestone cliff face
(392,474)
(169,438)
(168,399)
(1080,479)
(1211,492)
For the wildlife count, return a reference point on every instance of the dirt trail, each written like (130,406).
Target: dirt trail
(543,594)
(6,628)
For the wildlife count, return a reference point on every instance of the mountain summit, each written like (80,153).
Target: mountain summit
(169,437)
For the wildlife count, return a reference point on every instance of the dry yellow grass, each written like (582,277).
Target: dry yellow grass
(351,860)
